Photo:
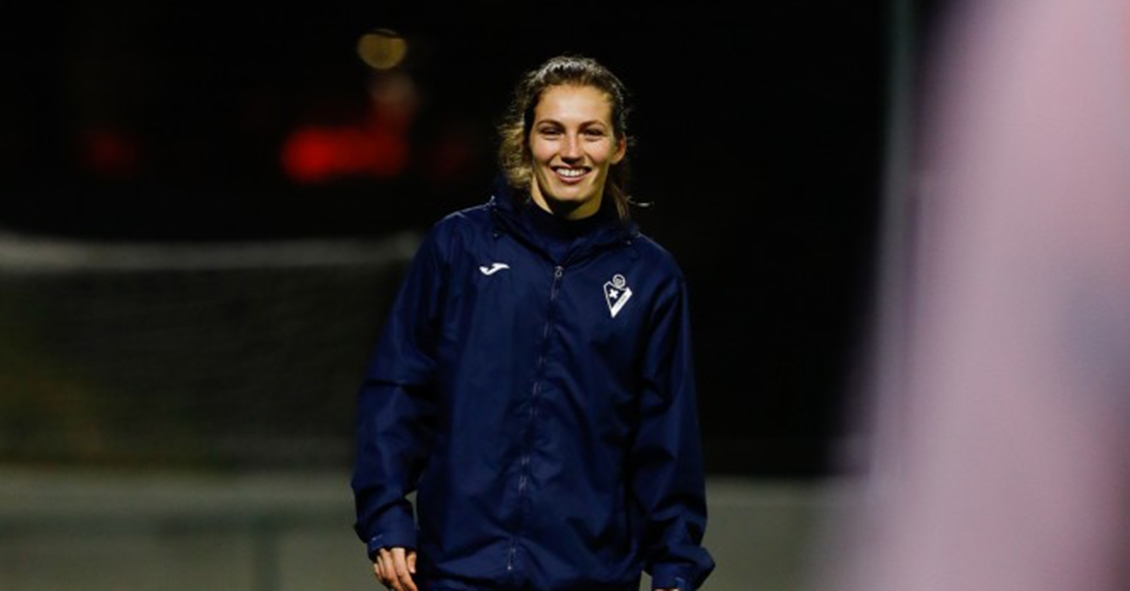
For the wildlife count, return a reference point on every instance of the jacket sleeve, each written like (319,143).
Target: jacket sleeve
(666,470)
(396,407)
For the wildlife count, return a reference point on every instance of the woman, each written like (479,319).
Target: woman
(534,379)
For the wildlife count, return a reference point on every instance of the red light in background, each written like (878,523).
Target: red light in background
(319,154)
(376,147)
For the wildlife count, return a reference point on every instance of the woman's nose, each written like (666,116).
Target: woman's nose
(571,147)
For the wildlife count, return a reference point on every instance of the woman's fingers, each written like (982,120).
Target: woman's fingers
(394,568)
(402,577)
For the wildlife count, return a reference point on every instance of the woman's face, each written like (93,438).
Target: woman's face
(573,146)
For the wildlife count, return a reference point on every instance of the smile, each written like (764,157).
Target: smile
(571,173)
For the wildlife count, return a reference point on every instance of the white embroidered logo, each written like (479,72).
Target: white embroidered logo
(494,268)
(616,293)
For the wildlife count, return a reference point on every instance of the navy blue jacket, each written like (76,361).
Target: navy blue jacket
(543,409)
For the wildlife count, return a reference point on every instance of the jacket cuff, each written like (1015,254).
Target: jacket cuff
(670,576)
(397,530)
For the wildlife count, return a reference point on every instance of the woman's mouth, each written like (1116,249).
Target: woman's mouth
(569,174)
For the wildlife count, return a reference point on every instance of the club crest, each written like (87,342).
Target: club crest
(616,294)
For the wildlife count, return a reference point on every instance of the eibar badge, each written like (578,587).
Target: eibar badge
(616,293)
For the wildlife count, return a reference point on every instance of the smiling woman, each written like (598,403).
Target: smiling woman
(534,380)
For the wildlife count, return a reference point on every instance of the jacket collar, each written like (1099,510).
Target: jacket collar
(505,204)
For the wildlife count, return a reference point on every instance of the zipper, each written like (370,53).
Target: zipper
(523,473)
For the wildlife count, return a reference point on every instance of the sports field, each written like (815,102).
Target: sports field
(101,531)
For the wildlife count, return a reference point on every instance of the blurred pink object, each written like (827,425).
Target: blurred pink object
(1003,461)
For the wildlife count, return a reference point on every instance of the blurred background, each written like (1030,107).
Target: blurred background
(206,208)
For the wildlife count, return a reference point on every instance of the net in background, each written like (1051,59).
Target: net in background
(214,356)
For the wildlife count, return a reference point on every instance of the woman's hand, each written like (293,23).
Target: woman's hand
(394,568)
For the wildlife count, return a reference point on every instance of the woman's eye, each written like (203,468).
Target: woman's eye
(594,133)
(550,131)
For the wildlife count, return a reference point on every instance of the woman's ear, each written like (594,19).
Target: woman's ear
(621,150)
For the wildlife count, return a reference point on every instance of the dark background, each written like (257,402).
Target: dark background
(760,140)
